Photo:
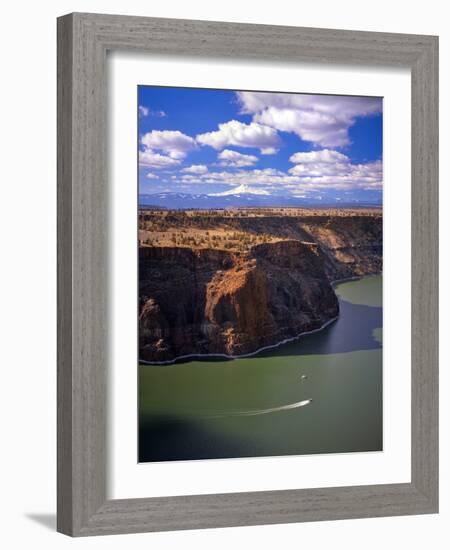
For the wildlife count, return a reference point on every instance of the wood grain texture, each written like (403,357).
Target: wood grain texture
(83,41)
(424,280)
(64,250)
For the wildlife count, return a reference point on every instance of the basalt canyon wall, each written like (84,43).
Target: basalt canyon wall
(211,301)
(351,245)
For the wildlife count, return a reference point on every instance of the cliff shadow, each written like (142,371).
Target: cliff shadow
(353,330)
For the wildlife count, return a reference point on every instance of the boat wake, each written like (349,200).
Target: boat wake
(258,412)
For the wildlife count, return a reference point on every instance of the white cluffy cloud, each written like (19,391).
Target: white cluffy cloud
(313,171)
(325,156)
(196,169)
(238,134)
(151,176)
(322,120)
(233,159)
(333,169)
(173,143)
(319,163)
(150,159)
(164,148)
(145,111)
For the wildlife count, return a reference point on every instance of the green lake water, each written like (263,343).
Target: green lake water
(321,393)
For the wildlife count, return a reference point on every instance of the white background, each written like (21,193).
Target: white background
(28,229)
(131,480)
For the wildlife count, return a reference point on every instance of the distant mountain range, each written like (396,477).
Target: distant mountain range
(242,197)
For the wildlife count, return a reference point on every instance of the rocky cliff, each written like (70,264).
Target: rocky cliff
(351,245)
(212,301)
(209,301)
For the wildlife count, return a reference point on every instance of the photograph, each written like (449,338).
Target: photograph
(232,246)
(260,273)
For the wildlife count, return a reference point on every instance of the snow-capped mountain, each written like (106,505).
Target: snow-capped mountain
(242,189)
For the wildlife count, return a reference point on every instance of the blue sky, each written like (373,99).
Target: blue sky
(220,141)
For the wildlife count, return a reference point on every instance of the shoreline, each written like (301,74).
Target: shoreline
(259,350)
(355,278)
(242,356)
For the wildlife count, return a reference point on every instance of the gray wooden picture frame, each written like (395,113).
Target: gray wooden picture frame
(83,42)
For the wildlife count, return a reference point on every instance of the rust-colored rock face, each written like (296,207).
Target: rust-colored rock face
(196,301)
(203,301)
